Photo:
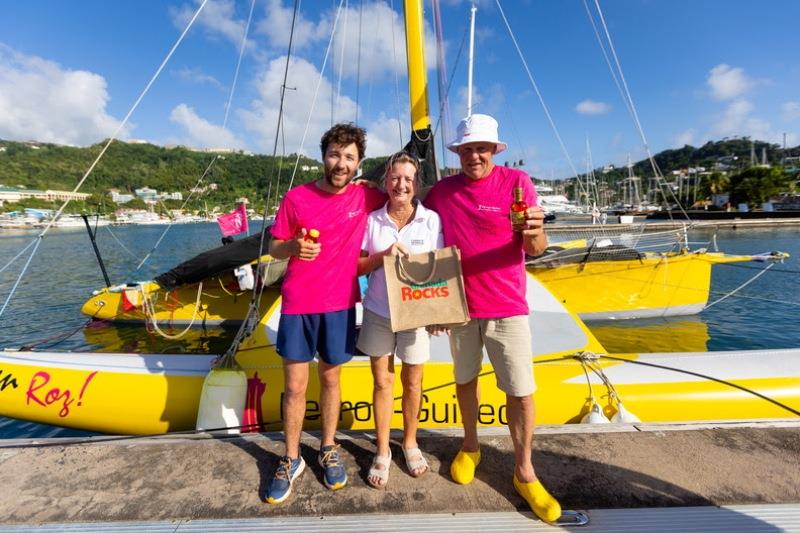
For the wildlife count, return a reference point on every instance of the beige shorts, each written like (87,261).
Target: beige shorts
(508,344)
(376,338)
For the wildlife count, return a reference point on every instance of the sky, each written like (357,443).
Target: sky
(696,70)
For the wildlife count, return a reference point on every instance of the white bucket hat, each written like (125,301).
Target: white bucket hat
(477,128)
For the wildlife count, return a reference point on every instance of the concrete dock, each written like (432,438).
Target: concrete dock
(200,477)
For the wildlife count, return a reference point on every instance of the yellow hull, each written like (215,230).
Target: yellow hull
(94,399)
(133,393)
(655,286)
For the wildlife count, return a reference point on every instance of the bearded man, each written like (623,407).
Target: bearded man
(319,294)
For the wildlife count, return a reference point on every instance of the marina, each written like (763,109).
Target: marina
(667,364)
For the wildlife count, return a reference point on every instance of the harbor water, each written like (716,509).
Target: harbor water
(763,314)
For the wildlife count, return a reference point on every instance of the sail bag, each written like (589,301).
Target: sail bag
(426,289)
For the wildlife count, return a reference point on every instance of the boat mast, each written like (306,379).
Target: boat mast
(421,143)
(472,11)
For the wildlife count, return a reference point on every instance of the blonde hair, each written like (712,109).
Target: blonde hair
(402,157)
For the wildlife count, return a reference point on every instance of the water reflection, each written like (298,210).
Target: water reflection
(673,334)
(102,336)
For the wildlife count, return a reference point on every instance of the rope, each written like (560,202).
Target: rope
(38,241)
(224,125)
(103,151)
(539,94)
(61,336)
(108,227)
(260,425)
(740,287)
(19,254)
(150,313)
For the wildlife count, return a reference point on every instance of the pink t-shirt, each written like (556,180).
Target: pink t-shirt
(475,217)
(329,282)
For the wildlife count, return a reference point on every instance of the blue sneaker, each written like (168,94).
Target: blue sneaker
(280,487)
(335,476)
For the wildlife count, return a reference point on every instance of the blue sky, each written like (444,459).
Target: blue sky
(697,70)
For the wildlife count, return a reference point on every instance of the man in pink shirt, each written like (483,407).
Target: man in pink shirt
(475,208)
(319,227)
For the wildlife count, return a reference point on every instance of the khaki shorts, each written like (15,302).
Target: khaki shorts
(508,344)
(376,338)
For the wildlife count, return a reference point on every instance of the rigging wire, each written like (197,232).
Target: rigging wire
(260,425)
(632,108)
(102,152)
(358,62)
(341,57)
(396,79)
(242,47)
(538,93)
(316,93)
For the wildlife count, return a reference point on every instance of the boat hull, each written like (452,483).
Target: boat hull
(128,393)
(153,394)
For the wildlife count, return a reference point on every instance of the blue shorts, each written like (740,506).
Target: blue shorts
(331,335)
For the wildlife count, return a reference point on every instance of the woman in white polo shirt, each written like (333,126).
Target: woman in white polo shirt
(402,226)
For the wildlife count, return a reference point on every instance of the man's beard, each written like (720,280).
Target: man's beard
(329,179)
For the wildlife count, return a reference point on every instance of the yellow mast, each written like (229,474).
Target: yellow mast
(417,76)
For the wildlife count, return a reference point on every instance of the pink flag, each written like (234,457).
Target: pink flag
(234,222)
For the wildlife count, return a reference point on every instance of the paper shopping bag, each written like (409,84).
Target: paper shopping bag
(426,289)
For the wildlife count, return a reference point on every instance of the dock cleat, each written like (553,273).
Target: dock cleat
(335,474)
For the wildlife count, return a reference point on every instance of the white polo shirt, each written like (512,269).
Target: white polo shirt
(422,234)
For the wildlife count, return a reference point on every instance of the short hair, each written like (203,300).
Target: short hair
(402,157)
(345,134)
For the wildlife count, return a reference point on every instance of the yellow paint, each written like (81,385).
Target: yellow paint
(417,76)
(655,281)
(153,403)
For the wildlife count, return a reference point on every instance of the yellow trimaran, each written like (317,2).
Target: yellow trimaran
(134,393)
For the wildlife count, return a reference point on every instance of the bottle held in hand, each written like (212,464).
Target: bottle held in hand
(518,209)
(312,235)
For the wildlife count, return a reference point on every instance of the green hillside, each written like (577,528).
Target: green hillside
(126,167)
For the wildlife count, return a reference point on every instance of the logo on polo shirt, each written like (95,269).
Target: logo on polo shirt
(351,214)
(489,208)
(432,289)
(417,242)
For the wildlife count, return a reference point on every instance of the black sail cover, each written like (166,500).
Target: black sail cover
(214,261)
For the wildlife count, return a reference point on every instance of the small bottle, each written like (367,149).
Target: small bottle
(312,235)
(518,209)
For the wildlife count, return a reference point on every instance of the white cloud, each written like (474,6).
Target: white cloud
(727,82)
(41,100)
(277,26)
(791,111)
(261,117)
(197,76)
(217,18)
(201,133)
(590,107)
(684,138)
(382,39)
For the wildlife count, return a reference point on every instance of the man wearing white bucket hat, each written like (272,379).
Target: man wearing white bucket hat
(475,209)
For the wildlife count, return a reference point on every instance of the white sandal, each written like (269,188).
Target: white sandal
(415,461)
(381,474)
